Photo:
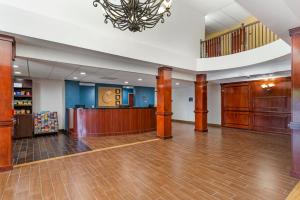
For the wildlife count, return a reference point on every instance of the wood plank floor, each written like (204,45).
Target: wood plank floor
(104,142)
(221,164)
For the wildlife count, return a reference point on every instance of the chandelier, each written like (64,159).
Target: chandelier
(135,15)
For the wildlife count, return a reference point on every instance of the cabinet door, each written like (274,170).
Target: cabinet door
(23,126)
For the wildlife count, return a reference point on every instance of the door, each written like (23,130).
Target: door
(131,100)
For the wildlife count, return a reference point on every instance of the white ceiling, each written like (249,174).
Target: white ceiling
(208,6)
(225,17)
(278,15)
(60,71)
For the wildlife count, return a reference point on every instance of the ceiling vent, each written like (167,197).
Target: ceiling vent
(109,78)
(87,84)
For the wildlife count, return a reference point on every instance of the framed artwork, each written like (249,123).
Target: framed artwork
(118,91)
(108,97)
(118,103)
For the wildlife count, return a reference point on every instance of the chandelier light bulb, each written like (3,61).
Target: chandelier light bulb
(161,9)
(168,3)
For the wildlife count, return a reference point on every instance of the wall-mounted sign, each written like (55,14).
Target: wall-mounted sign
(18,85)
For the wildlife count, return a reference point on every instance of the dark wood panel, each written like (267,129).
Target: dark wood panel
(269,122)
(272,103)
(276,99)
(236,97)
(248,105)
(237,119)
(103,122)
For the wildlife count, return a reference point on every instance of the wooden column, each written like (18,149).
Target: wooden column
(164,104)
(295,124)
(201,103)
(7,51)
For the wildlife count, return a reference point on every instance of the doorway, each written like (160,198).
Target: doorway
(131,100)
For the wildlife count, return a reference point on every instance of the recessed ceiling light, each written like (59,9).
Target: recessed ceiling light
(75,78)
(82,73)
(177,83)
(140,79)
(16,66)
(126,82)
(18,73)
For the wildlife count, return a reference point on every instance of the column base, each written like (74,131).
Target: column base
(202,131)
(164,138)
(6,168)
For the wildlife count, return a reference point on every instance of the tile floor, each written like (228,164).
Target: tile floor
(44,147)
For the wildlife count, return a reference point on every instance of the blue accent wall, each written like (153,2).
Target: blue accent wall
(72,94)
(87,96)
(126,91)
(144,96)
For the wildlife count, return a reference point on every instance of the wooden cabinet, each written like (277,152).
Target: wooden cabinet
(249,106)
(23,108)
(23,126)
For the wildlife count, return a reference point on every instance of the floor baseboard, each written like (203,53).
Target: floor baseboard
(191,122)
(183,121)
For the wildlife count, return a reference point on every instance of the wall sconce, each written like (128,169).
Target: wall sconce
(267,85)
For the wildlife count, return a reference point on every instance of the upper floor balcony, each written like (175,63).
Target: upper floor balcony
(244,38)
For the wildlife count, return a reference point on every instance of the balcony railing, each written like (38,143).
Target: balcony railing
(241,39)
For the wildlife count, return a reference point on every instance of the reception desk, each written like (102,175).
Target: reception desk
(110,121)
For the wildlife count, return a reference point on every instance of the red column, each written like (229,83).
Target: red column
(164,104)
(7,51)
(295,124)
(201,103)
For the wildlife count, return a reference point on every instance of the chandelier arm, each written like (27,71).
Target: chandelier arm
(151,2)
(154,12)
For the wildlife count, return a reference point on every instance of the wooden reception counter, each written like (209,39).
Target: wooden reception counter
(110,121)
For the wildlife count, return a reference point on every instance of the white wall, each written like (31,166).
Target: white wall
(214,103)
(49,95)
(181,107)
(174,43)
(184,110)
